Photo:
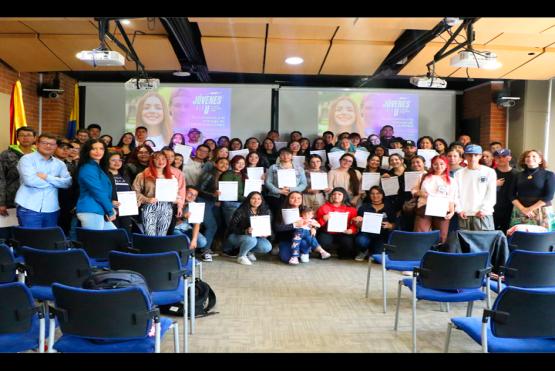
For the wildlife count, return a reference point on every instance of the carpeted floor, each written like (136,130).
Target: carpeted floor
(314,307)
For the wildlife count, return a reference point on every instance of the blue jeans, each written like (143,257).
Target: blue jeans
(94,221)
(201,240)
(370,242)
(247,244)
(228,208)
(212,220)
(302,242)
(33,219)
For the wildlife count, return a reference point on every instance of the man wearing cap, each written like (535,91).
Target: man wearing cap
(194,138)
(477,192)
(506,175)
(410,151)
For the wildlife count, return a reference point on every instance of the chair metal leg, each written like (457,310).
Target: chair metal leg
(51,332)
(368,276)
(186,315)
(488,291)
(200,270)
(447,309)
(384,285)
(396,326)
(41,335)
(448,337)
(157,330)
(469,308)
(485,337)
(192,299)
(175,326)
(441,306)
(414,314)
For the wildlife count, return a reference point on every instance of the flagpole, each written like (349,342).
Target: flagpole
(40,105)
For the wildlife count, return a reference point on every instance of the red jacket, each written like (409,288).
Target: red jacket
(326,208)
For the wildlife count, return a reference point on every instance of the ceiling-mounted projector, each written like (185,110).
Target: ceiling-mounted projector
(101,57)
(475,59)
(428,82)
(142,84)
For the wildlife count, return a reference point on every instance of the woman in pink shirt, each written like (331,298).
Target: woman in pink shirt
(436,183)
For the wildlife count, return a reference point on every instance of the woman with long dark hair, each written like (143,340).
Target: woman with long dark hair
(237,173)
(119,184)
(268,151)
(125,146)
(94,207)
(177,138)
(138,162)
(347,177)
(371,243)
(240,229)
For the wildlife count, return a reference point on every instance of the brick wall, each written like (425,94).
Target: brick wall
(478,103)
(55,112)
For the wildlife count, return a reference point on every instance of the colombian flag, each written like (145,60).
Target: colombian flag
(74,117)
(17,112)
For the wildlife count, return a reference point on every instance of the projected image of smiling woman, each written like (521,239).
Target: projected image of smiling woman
(152,112)
(344,116)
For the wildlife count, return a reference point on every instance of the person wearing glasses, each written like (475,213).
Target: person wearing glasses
(41,175)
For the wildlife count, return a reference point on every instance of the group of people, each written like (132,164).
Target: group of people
(55,181)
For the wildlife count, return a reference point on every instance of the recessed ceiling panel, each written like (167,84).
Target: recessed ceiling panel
(300,32)
(312,51)
(64,27)
(364,57)
(540,68)
(513,25)
(224,54)
(25,53)
(417,65)
(155,52)
(14,27)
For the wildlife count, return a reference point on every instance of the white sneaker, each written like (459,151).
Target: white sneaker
(275,251)
(361,257)
(251,257)
(244,260)
(304,258)
(206,257)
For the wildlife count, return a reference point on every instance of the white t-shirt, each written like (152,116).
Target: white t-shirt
(435,185)
(477,190)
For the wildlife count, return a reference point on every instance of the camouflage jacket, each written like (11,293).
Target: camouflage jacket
(9,176)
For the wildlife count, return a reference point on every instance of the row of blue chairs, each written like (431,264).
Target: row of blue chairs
(454,277)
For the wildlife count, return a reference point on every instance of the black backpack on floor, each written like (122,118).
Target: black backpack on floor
(205,300)
(114,279)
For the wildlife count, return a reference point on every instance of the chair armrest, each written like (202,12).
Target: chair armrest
(496,315)
(485,271)
(60,313)
(76,244)
(179,273)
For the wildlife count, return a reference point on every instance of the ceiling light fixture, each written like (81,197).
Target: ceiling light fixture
(294,60)
(182,73)
(126,22)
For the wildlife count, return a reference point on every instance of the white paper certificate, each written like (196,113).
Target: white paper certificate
(372,223)
(333,158)
(337,222)
(412,179)
(290,216)
(280,145)
(241,152)
(361,157)
(318,181)
(299,161)
(11,219)
(385,163)
(252,185)
(261,226)
(197,212)
(228,190)
(437,206)
(428,154)
(398,151)
(184,150)
(128,203)
(255,172)
(321,153)
(286,178)
(390,185)
(166,190)
(369,180)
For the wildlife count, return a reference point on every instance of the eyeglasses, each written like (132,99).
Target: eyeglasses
(48,144)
